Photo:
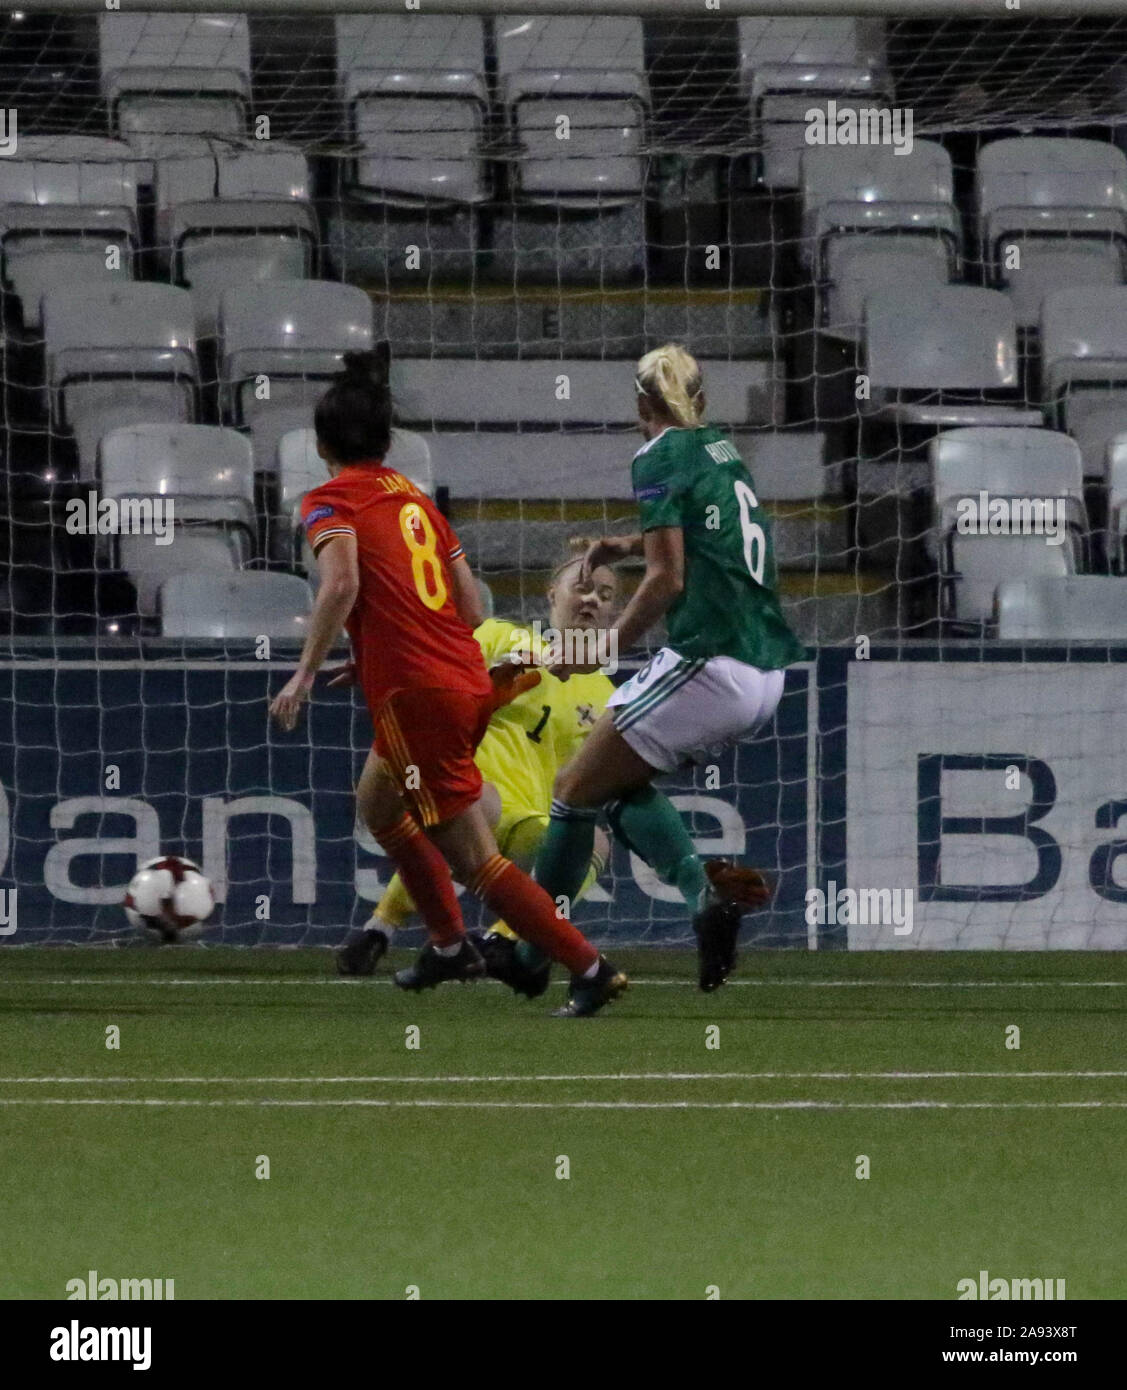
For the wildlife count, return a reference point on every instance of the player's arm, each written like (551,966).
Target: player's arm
(467,596)
(340,584)
(610,550)
(664,549)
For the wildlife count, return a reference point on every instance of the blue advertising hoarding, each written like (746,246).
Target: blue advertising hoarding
(105,763)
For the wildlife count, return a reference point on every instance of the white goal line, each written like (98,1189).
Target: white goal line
(365,1103)
(514,1079)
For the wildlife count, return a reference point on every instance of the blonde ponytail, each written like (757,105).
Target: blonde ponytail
(671,376)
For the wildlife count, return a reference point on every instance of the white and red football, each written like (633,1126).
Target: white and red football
(169,899)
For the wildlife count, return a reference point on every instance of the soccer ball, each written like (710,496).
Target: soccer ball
(169,899)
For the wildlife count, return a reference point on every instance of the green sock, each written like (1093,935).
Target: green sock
(650,825)
(562,862)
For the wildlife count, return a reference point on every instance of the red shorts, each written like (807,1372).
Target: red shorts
(429,738)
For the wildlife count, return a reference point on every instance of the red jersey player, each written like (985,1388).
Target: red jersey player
(393,573)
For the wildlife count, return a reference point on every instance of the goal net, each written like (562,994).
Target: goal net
(898,247)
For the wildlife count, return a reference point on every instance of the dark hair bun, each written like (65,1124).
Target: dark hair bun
(365,369)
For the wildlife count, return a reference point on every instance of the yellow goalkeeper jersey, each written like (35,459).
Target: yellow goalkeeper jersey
(531,738)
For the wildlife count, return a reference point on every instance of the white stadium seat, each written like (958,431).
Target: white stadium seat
(1003,463)
(789,66)
(207,470)
(63,203)
(233,214)
(118,354)
(1075,608)
(1006,463)
(214,549)
(1060,207)
(245,603)
(1084,365)
(414,92)
(591,70)
(978,564)
(935,354)
(178,74)
(1115,482)
(871,217)
(294,333)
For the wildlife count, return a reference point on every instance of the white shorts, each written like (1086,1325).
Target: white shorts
(680,710)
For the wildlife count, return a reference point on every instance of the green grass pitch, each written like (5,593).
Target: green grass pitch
(691,1167)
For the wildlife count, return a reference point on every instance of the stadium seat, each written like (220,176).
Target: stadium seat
(872,218)
(215,550)
(234,214)
(1115,482)
(976,565)
(1009,464)
(944,355)
(246,603)
(1060,207)
(178,74)
(415,98)
(1084,366)
(118,354)
(292,335)
(590,70)
(64,203)
(207,471)
(1072,608)
(790,65)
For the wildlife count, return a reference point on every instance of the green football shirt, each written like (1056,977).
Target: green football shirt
(695,479)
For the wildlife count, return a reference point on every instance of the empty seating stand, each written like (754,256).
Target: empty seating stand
(174,74)
(68,215)
(415,98)
(1006,464)
(943,355)
(1052,214)
(205,472)
(872,219)
(1084,366)
(591,72)
(243,604)
(789,66)
(233,213)
(118,354)
(574,207)
(1066,609)
(291,336)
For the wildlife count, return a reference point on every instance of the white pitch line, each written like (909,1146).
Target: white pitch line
(562,1076)
(590,1104)
(634,983)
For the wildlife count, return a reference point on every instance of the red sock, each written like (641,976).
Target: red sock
(524,905)
(426,876)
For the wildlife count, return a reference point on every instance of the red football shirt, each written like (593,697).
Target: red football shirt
(405,630)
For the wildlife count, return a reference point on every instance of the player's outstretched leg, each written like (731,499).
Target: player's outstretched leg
(716,894)
(426,876)
(468,844)
(519,964)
